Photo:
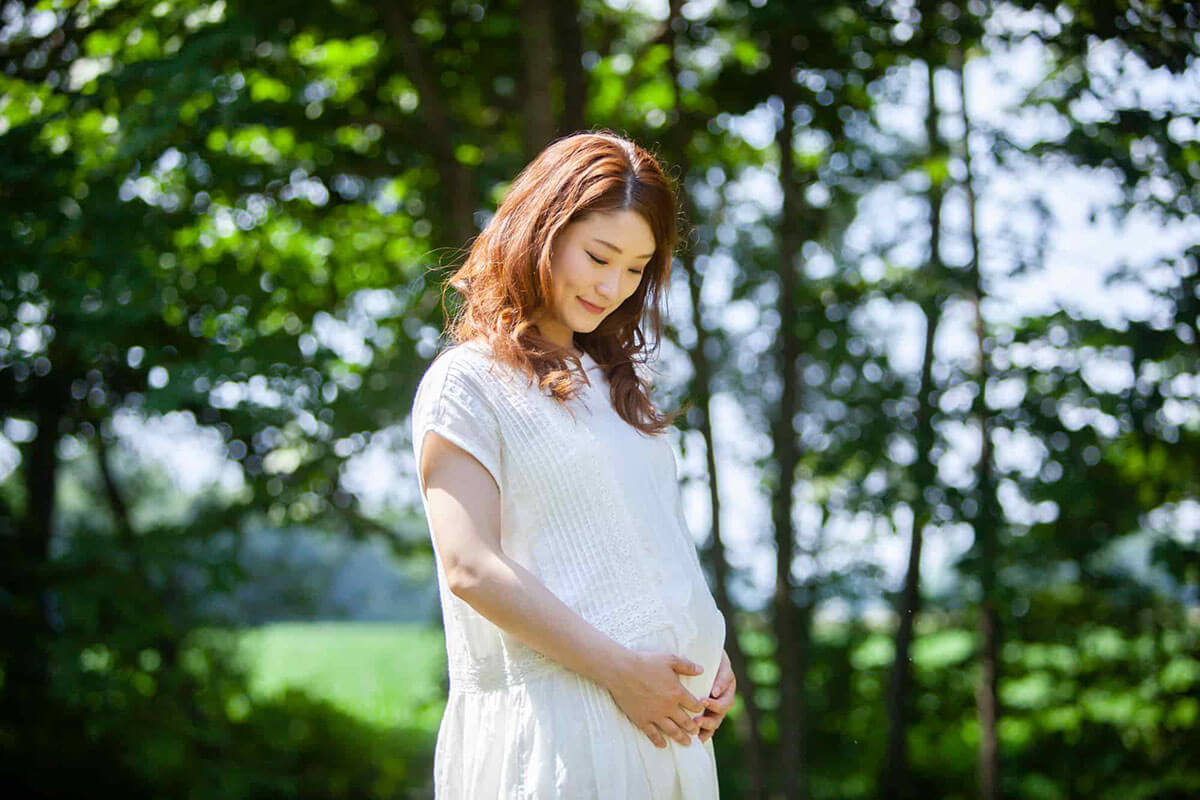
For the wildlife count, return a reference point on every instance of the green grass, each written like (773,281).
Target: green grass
(384,674)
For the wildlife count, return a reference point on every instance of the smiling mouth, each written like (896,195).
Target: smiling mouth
(590,307)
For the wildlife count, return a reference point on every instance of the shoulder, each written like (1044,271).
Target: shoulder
(464,371)
(464,358)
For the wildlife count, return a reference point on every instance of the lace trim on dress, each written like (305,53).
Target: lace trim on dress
(469,676)
(623,623)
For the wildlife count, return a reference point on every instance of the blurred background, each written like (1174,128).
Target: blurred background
(936,316)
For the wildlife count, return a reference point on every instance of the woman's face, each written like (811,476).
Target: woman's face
(597,263)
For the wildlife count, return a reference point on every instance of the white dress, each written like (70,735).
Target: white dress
(592,507)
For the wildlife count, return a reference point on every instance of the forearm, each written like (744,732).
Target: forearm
(516,600)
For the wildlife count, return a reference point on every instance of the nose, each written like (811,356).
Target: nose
(607,287)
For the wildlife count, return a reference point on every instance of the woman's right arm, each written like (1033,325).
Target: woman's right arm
(464,509)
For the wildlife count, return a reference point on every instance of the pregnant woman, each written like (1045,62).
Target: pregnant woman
(585,650)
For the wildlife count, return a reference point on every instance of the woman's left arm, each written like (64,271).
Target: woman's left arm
(719,701)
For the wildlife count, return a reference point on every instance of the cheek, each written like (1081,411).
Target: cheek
(563,281)
(566,276)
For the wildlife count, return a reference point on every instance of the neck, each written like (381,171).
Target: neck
(564,338)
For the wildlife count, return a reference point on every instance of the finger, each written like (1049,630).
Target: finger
(708,723)
(724,676)
(710,715)
(677,732)
(722,704)
(685,666)
(726,689)
(691,702)
(708,731)
(670,728)
(655,735)
(685,722)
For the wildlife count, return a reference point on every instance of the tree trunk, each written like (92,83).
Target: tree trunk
(791,766)
(569,50)
(749,725)
(29,628)
(988,524)
(457,196)
(166,638)
(537,36)
(895,781)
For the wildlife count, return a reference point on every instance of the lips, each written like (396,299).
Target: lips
(589,306)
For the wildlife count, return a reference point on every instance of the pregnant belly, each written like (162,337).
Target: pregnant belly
(699,638)
(692,769)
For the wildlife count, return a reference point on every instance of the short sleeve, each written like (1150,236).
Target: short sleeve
(452,401)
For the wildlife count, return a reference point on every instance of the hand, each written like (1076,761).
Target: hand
(719,701)
(646,687)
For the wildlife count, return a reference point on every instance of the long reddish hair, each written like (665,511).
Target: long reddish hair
(505,279)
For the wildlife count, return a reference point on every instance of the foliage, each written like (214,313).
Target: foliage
(234,218)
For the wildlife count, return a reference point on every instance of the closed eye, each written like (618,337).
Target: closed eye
(598,261)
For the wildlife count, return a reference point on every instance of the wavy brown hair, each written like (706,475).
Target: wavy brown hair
(505,280)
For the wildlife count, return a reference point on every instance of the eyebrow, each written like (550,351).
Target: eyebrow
(614,247)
